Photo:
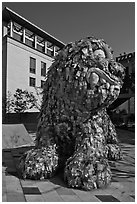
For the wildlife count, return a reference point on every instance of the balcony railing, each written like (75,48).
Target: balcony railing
(29,38)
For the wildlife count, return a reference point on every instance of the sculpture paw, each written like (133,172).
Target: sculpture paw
(39,164)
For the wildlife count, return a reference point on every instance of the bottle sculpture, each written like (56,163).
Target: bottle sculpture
(74,131)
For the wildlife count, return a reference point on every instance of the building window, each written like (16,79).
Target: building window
(50,52)
(29,38)
(32,65)
(43,69)
(32,81)
(17,32)
(40,44)
(42,84)
(50,48)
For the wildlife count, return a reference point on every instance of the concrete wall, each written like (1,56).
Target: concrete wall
(4,67)
(18,62)
(18,66)
(25,118)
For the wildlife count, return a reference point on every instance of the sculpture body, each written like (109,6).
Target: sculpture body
(74,131)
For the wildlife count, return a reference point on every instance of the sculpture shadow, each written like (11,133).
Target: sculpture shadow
(10,160)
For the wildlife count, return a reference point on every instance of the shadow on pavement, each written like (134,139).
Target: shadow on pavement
(10,159)
(126,136)
(58,180)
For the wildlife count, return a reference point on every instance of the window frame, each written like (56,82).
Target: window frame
(31,68)
(32,84)
(43,69)
(42,84)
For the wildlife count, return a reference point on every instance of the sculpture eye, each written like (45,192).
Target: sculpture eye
(112,68)
(117,70)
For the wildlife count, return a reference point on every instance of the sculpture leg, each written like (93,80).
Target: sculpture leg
(88,168)
(39,163)
(114,150)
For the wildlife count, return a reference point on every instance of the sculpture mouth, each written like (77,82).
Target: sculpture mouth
(101,86)
(103,75)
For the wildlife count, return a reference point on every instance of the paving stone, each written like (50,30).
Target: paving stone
(117,185)
(87,196)
(129,188)
(27,183)
(90,198)
(107,198)
(31,190)
(34,198)
(65,191)
(46,181)
(13,184)
(51,196)
(104,191)
(46,187)
(4,189)
(70,198)
(15,197)
(123,197)
(4,197)
(3,181)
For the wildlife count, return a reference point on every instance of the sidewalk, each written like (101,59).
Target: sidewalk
(121,189)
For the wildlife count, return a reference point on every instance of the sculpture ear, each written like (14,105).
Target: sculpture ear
(108,51)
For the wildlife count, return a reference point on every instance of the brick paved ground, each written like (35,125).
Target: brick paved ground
(121,189)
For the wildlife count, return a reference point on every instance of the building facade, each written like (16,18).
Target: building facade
(128,89)
(27,53)
(122,111)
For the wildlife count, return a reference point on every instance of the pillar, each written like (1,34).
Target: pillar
(23,35)
(11,28)
(35,41)
(45,47)
(54,51)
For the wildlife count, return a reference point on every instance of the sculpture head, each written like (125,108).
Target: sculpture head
(86,74)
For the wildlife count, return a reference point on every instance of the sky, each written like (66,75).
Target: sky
(70,21)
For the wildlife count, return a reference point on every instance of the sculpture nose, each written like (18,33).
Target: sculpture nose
(93,79)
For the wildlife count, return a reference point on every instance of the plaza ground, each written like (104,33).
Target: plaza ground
(121,189)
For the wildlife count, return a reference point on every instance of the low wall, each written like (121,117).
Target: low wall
(15,135)
(17,118)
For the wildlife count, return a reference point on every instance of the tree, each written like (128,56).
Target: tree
(23,100)
(9,103)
